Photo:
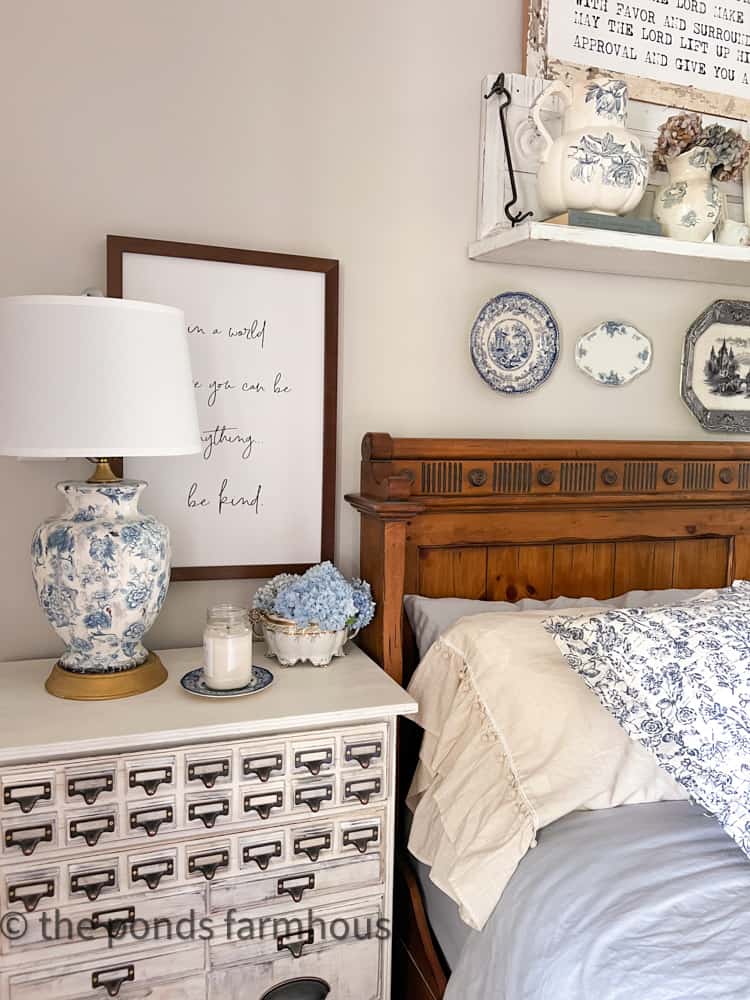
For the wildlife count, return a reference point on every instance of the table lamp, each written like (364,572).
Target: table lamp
(93,377)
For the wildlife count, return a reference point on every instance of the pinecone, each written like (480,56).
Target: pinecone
(732,151)
(676,135)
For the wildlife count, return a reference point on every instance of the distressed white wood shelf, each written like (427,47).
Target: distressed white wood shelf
(574,248)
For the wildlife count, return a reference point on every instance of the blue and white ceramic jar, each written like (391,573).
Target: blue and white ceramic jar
(689,206)
(101,571)
(596,164)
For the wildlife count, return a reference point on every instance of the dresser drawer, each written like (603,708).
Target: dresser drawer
(149,775)
(152,870)
(149,820)
(109,924)
(363,751)
(30,888)
(94,879)
(351,966)
(25,836)
(27,792)
(303,886)
(312,842)
(258,853)
(262,762)
(362,788)
(168,974)
(314,795)
(208,810)
(263,804)
(93,784)
(208,859)
(360,836)
(206,770)
(92,829)
(313,757)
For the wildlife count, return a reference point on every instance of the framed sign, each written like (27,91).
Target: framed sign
(263,334)
(692,54)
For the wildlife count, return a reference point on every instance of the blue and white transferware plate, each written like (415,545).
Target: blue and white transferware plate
(514,342)
(194,683)
(614,353)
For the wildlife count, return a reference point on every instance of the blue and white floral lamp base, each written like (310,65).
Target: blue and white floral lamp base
(101,571)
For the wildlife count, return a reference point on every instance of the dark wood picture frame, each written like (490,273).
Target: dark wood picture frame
(117,246)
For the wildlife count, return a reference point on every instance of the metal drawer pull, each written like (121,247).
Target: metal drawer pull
(261,854)
(92,883)
(31,893)
(208,771)
(208,812)
(312,846)
(363,753)
(90,788)
(151,821)
(113,921)
(152,872)
(111,980)
(208,864)
(27,796)
(264,808)
(29,838)
(361,838)
(262,767)
(295,886)
(150,779)
(91,834)
(295,947)
(313,760)
(362,790)
(313,797)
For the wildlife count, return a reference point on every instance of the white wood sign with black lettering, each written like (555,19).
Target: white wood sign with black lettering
(691,54)
(262,331)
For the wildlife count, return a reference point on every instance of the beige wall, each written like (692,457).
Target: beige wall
(341,128)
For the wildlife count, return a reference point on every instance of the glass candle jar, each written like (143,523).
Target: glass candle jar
(228,648)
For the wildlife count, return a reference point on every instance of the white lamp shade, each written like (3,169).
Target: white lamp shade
(94,377)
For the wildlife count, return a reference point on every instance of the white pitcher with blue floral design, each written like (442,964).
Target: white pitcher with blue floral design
(689,206)
(596,165)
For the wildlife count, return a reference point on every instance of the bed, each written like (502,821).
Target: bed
(506,520)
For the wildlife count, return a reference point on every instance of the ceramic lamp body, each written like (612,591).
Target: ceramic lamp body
(101,571)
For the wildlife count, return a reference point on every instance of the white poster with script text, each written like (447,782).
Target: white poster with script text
(253,496)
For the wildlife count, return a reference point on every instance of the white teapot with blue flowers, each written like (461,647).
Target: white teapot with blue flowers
(596,165)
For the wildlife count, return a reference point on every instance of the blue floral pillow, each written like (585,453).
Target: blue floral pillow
(677,679)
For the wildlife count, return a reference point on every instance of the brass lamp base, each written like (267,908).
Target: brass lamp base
(64,683)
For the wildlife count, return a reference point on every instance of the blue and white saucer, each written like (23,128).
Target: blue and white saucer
(514,342)
(195,683)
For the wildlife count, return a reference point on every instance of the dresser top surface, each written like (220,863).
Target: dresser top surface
(36,726)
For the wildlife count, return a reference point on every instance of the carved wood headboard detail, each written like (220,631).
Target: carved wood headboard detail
(503,520)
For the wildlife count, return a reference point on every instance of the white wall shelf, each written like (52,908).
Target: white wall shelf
(574,248)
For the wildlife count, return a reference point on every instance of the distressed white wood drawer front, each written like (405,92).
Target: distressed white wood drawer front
(306,886)
(106,854)
(343,947)
(167,974)
(107,924)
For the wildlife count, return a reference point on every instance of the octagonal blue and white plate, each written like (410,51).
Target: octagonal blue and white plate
(515,342)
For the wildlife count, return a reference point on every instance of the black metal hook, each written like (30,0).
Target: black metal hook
(504,99)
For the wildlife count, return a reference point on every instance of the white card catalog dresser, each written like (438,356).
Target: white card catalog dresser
(182,848)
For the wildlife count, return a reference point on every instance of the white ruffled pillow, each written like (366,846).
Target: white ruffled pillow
(677,679)
(513,741)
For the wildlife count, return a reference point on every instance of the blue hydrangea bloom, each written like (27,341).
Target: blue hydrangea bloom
(321,596)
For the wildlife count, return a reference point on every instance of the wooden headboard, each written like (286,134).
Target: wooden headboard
(502,520)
